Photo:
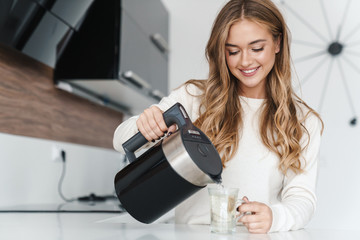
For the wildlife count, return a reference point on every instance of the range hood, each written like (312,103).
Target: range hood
(118,56)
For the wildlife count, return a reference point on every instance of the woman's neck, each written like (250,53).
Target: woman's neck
(253,93)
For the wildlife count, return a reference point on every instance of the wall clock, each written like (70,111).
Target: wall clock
(326,53)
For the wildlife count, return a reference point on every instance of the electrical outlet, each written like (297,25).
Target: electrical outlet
(56,153)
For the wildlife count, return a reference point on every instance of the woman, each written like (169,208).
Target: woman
(268,138)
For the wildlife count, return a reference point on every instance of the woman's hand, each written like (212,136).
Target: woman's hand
(151,124)
(260,220)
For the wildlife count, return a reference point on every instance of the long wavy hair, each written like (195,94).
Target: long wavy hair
(221,118)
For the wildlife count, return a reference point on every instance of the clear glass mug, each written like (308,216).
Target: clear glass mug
(223,204)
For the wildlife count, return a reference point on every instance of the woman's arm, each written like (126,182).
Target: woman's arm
(129,128)
(297,198)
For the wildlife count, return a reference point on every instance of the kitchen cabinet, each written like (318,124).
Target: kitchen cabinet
(69,11)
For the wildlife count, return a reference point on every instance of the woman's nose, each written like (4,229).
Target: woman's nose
(245,60)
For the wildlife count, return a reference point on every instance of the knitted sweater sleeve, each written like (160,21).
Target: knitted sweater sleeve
(297,198)
(184,95)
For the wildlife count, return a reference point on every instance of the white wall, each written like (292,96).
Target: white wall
(29,176)
(338,193)
(190,24)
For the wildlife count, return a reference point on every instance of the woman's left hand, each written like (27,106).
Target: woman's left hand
(260,220)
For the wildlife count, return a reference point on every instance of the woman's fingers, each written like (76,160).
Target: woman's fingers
(159,119)
(151,123)
(255,223)
(252,207)
(172,128)
(141,129)
(260,219)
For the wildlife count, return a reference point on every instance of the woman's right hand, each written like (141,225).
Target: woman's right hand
(151,124)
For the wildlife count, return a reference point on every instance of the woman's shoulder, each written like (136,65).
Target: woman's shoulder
(193,87)
(188,94)
(188,91)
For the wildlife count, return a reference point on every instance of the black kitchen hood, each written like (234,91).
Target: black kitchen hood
(92,51)
(118,54)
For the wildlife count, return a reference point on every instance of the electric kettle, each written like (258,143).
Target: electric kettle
(169,172)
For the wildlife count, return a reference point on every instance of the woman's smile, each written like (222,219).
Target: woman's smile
(249,72)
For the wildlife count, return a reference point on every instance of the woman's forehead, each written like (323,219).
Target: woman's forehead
(247,32)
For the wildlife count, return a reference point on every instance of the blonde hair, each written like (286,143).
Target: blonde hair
(280,126)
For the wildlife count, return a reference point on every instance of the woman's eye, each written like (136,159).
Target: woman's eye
(258,49)
(233,53)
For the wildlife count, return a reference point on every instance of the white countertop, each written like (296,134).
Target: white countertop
(111,226)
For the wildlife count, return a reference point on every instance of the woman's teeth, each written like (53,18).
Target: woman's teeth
(249,71)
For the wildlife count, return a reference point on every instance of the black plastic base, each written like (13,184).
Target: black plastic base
(148,193)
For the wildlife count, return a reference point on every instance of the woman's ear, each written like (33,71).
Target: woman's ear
(278,44)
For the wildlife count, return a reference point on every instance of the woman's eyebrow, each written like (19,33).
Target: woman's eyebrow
(231,45)
(251,43)
(257,41)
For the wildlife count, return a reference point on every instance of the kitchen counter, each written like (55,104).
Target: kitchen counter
(111,226)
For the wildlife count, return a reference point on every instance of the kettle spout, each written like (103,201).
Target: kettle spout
(207,179)
(216,179)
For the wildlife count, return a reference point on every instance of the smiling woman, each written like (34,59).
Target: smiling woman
(268,138)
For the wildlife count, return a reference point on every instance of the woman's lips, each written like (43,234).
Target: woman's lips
(249,72)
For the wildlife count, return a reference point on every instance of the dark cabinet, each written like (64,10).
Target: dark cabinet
(44,39)
(145,27)
(142,57)
(17,21)
(70,12)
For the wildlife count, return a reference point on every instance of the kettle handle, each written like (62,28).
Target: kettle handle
(175,114)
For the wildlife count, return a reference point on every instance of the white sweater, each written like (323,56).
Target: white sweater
(254,169)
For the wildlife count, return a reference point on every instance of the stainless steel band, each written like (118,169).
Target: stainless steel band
(181,162)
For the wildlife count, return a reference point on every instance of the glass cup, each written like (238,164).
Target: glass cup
(223,203)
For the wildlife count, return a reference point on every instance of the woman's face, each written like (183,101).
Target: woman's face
(250,55)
